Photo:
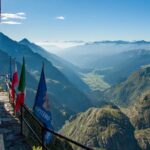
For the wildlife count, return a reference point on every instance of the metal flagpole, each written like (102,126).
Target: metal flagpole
(0,11)
(10,69)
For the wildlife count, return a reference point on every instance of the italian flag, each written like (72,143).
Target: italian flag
(21,88)
(14,82)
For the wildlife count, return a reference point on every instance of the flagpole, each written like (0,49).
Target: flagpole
(43,65)
(0,11)
(10,69)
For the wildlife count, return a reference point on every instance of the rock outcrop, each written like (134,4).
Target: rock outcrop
(143,138)
(139,114)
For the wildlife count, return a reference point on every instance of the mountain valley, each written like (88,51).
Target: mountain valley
(105,105)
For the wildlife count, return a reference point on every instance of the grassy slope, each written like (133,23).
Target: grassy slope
(95,81)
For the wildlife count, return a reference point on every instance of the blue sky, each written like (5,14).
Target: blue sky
(73,20)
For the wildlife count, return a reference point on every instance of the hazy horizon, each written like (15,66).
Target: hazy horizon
(57,46)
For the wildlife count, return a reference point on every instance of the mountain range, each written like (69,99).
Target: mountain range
(86,56)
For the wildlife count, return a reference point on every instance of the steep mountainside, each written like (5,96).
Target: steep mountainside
(102,128)
(59,112)
(69,70)
(60,89)
(143,138)
(129,91)
(139,115)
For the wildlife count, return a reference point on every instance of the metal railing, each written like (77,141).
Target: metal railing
(33,129)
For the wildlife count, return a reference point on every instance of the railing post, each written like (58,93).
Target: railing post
(21,120)
(42,138)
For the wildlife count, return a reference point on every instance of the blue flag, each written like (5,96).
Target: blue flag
(41,107)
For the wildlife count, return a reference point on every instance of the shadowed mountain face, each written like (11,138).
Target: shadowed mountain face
(102,128)
(61,91)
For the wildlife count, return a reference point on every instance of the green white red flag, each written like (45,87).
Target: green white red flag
(21,88)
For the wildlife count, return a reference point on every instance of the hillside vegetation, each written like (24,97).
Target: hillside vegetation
(129,91)
(95,81)
(102,128)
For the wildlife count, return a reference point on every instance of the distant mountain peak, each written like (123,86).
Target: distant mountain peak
(108,42)
(24,41)
(141,42)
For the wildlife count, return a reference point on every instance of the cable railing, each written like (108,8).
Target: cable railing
(34,130)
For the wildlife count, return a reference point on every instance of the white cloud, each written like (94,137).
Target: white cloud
(60,18)
(60,44)
(13,18)
(19,16)
(10,22)
(57,46)
(21,13)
